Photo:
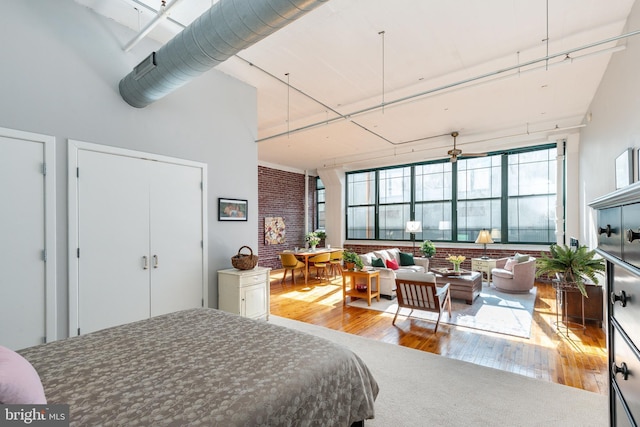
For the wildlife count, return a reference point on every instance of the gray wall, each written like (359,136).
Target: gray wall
(614,126)
(60,68)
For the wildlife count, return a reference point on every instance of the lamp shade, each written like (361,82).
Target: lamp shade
(413,227)
(484,237)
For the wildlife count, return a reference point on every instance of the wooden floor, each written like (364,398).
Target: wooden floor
(578,360)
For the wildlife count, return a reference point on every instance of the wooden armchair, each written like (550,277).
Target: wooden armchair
(419,291)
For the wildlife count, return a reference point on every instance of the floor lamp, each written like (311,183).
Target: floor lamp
(484,237)
(413,227)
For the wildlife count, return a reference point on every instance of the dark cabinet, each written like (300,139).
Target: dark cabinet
(618,230)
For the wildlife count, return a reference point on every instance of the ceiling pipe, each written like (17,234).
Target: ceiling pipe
(163,13)
(470,81)
(222,31)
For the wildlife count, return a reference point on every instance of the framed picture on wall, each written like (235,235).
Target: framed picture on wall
(624,168)
(232,209)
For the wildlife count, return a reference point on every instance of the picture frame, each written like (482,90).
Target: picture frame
(624,168)
(232,209)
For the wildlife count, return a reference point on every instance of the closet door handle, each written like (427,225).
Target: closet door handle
(155,261)
(145,263)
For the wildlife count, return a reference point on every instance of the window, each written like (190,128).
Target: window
(320,204)
(532,196)
(361,203)
(513,191)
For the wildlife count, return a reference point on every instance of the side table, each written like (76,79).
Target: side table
(349,286)
(483,265)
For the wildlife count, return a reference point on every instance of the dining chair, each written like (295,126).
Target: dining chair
(321,263)
(290,263)
(335,263)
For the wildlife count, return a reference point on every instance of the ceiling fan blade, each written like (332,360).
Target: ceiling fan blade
(475,154)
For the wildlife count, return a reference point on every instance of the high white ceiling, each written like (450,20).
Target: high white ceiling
(327,111)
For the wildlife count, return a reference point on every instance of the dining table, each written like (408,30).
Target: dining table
(305,254)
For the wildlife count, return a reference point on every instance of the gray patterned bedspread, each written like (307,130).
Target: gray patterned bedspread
(204,367)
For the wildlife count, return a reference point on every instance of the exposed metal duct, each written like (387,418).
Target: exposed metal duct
(219,33)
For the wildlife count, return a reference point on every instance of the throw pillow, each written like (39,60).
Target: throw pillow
(377,262)
(392,264)
(406,259)
(19,381)
(521,257)
(509,264)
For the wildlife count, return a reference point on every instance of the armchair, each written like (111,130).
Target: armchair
(514,277)
(418,291)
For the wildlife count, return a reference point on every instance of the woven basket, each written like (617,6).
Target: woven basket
(244,261)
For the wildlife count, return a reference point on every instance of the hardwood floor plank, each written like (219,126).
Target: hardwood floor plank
(577,360)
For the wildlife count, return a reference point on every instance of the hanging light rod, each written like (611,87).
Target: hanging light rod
(162,14)
(479,78)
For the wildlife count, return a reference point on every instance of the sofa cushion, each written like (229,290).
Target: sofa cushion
(392,264)
(509,264)
(411,268)
(367,259)
(382,254)
(377,262)
(406,259)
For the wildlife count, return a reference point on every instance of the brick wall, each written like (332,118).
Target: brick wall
(281,193)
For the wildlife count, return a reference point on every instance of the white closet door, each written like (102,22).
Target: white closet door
(176,238)
(113,236)
(22,241)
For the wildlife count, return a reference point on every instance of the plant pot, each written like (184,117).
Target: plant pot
(350,265)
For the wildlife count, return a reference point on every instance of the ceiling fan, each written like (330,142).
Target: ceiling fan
(455,152)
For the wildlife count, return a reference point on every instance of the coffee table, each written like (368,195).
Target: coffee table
(465,284)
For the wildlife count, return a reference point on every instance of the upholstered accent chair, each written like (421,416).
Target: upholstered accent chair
(514,275)
(418,291)
(290,263)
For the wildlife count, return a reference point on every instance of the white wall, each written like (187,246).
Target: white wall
(614,126)
(61,65)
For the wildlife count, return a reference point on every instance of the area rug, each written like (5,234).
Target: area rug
(419,389)
(492,311)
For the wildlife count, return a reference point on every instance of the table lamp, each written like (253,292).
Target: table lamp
(413,227)
(484,237)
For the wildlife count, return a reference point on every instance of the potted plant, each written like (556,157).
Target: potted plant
(571,267)
(351,260)
(428,248)
(322,235)
(312,238)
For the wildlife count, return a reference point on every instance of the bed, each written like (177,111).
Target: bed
(204,367)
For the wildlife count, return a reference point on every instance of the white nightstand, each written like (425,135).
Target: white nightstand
(483,266)
(244,292)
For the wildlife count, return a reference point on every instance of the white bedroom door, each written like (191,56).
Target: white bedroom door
(140,237)
(113,240)
(22,243)
(176,226)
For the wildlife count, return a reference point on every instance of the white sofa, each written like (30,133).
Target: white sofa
(387,275)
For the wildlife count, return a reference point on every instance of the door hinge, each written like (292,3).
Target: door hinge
(201,185)
(44,255)
(202,244)
(78,253)
(44,169)
(203,302)
(44,340)
(78,331)
(77,172)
